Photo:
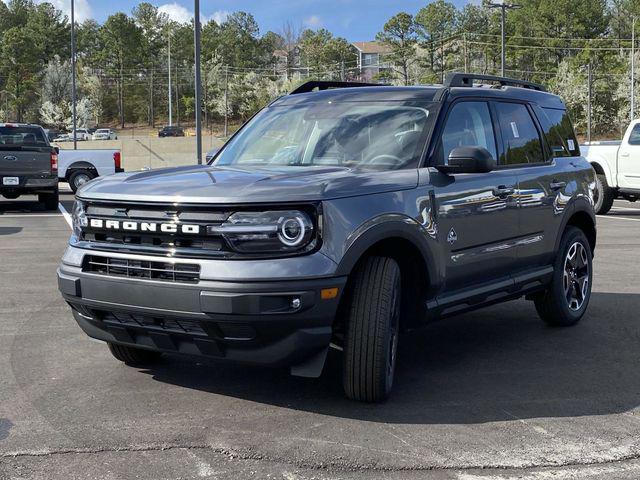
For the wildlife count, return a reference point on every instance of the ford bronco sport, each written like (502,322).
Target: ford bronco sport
(339,217)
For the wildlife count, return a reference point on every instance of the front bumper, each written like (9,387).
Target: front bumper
(254,322)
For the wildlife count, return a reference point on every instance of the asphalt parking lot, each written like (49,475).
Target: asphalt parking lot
(491,395)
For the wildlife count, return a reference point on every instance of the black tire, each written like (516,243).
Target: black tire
(373,317)
(554,306)
(79,178)
(50,200)
(133,356)
(604,195)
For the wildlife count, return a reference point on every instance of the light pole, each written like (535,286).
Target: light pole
(198,80)
(503,6)
(633,76)
(169,68)
(73,74)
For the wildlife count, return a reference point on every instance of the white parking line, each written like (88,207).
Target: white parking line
(66,215)
(30,215)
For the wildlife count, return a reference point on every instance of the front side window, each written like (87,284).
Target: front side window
(634,136)
(385,135)
(519,134)
(468,125)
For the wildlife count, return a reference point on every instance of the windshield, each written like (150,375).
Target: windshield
(102,131)
(11,137)
(384,135)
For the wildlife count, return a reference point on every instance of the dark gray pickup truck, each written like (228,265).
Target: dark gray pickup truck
(28,164)
(340,216)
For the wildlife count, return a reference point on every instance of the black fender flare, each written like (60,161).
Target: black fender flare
(577,205)
(393,226)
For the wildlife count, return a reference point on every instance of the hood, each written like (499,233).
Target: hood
(227,185)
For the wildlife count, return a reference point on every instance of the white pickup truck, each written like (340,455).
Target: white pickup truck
(617,165)
(77,167)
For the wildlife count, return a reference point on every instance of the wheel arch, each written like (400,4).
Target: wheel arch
(582,217)
(602,168)
(406,244)
(80,165)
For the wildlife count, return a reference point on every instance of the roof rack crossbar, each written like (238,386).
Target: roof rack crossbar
(326,85)
(466,80)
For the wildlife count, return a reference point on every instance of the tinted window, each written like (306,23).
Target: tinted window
(468,125)
(22,136)
(519,135)
(634,137)
(560,134)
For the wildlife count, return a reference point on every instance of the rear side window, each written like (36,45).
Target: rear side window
(560,134)
(468,125)
(520,136)
(11,137)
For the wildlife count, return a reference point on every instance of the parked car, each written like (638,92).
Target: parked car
(28,164)
(52,134)
(78,167)
(82,134)
(171,131)
(105,134)
(617,165)
(340,218)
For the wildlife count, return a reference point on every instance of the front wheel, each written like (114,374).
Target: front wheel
(50,200)
(566,300)
(373,318)
(133,356)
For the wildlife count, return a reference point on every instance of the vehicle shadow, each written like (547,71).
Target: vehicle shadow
(497,364)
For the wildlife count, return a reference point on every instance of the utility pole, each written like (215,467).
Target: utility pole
(170,94)
(198,79)
(503,6)
(589,81)
(633,64)
(73,75)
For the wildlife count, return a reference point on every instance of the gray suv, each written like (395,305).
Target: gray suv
(340,216)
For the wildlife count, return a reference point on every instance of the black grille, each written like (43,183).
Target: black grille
(125,267)
(172,325)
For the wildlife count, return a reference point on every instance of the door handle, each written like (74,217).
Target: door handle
(624,154)
(555,185)
(503,191)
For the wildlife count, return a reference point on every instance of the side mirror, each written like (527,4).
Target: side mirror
(468,160)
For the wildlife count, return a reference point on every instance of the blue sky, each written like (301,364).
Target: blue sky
(355,20)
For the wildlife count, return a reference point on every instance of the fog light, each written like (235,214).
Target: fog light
(295,303)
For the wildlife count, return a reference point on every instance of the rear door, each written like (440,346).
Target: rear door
(24,151)
(629,160)
(544,176)
(477,213)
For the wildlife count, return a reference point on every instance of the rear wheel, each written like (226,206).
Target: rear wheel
(78,178)
(604,195)
(133,356)
(373,318)
(50,200)
(566,300)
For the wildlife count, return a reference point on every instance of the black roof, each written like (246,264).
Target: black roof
(426,93)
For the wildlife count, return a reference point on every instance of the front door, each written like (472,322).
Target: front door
(477,214)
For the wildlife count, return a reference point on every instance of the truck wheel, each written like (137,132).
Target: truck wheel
(373,317)
(133,356)
(563,304)
(50,200)
(604,195)
(79,178)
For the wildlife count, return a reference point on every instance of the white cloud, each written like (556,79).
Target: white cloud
(313,21)
(219,16)
(176,12)
(82,8)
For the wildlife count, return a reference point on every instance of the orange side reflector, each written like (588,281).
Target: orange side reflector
(328,293)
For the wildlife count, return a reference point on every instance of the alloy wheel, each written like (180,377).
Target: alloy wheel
(575,278)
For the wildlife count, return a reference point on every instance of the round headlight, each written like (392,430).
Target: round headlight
(292,231)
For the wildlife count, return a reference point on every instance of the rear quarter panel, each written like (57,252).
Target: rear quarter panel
(102,160)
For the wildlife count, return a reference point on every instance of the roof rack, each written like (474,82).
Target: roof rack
(326,85)
(466,80)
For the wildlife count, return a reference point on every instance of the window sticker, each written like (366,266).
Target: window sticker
(570,144)
(514,129)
